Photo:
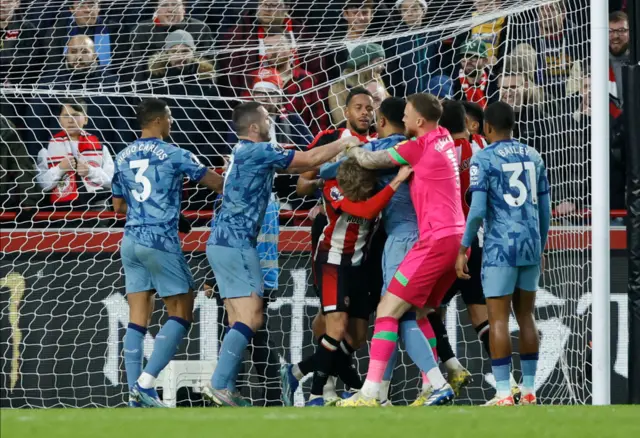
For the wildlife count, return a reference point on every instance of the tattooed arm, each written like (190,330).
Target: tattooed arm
(372,160)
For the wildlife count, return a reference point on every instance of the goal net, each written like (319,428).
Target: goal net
(73,73)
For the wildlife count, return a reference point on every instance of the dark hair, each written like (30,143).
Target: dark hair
(356,182)
(453,117)
(245,115)
(618,17)
(500,116)
(475,111)
(392,108)
(149,110)
(75,104)
(358,4)
(355,92)
(427,105)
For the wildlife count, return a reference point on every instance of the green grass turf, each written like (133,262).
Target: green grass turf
(447,422)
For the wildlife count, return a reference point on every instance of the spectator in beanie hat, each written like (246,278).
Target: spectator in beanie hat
(473,77)
(365,65)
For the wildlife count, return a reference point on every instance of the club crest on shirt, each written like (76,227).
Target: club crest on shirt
(335,194)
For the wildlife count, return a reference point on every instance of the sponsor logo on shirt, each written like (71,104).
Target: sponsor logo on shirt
(473,175)
(356,220)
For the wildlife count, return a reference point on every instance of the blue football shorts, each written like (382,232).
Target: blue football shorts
(395,249)
(148,268)
(499,281)
(237,271)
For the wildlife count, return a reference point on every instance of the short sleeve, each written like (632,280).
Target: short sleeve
(277,156)
(333,194)
(478,175)
(406,152)
(116,188)
(543,182)
(190,166)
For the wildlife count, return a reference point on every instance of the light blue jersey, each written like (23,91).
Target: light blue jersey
(513,176)
(149,175)
(247,190)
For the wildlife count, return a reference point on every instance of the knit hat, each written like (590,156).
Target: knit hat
(179,37)
(475,47)
(364,54)
(268,80)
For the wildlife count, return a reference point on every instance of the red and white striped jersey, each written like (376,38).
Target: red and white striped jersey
(345,238)
(465,150)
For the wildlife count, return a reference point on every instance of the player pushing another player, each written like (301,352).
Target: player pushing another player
(147,186)
(231,249)
(511,194)
(426,273)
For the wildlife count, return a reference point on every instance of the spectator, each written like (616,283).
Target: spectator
(356,21)
(618,53)
(247,41)
(364,67)
(560,46)
(199,116)
(410,67)
(19,48)
(149,38)
(110,39)
(492,33)
(17,179)
(288,128)
(75,167)
(441,87)
(299,85)
(473,77)
(108,115)
(474,117)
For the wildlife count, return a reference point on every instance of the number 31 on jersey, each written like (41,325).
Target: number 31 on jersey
(516,170)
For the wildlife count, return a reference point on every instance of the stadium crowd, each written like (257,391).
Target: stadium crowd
(72,72)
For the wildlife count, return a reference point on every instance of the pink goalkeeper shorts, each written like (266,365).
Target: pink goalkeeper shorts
(427,271)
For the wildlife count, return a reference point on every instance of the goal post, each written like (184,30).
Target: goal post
(63,312)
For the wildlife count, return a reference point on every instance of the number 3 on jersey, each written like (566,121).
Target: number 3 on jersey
(516,170)
(141,165)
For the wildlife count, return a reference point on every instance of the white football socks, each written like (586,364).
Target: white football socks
(146,381)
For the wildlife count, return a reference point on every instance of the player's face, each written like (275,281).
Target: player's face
(165,123)
(411,120)
(264,125)
(412,12)
(359,113)
(472,125)
(72,121)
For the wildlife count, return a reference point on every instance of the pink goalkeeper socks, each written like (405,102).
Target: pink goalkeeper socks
(383,344)
(427,331)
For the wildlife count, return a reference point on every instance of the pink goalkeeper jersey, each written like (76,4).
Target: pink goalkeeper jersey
(435,186)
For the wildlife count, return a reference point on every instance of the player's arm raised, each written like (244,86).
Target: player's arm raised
(308,183)
(308,160)
(372,160)
(212,181)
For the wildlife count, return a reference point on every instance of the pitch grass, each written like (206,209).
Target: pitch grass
(401,422)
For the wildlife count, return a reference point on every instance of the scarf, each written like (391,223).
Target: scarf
(474,93)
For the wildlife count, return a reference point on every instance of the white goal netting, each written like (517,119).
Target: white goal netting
(74,71)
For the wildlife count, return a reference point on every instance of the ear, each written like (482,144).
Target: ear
(382,122)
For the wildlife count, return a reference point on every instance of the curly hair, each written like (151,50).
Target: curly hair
(356,182)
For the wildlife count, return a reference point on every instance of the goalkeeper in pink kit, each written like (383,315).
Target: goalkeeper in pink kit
(428,270)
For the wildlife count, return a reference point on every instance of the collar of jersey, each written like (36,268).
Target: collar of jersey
(149,138)
(511,140)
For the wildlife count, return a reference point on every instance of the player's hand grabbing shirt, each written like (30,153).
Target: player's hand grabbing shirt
(247,189)
(149,174)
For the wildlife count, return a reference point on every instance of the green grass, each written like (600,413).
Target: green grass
(447,422)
